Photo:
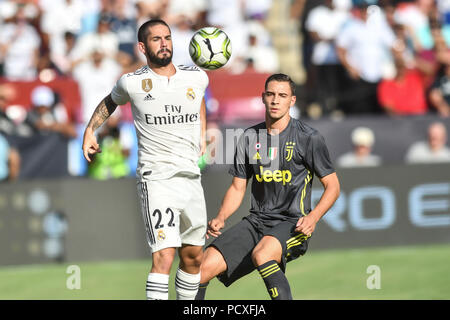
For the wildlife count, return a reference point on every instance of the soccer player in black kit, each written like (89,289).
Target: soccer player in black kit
(282,155)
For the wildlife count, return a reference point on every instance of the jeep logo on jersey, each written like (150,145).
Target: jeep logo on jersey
(283,176)
(190,94)
(147,85)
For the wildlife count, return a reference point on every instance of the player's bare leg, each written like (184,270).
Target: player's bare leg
(158,279)
(212,265)
(266,257)
(162,260)
(267,249)
(188,274)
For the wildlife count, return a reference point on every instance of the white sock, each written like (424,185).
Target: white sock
(186,285)
(157,286)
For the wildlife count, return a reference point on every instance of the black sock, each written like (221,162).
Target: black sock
(201,291)
(276,282)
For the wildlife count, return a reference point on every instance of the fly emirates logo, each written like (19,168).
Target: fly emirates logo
(174,115)
(283,176)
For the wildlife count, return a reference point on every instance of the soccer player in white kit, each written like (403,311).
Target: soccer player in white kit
(168,107)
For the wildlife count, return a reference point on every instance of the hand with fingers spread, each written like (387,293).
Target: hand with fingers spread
(90,145)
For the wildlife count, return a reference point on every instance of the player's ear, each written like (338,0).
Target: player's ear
(293,99)
(263,94)
(141,47)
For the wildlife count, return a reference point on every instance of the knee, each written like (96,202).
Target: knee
(268,249)
(207,264)
(258,256)
(162,261)
(195,260)
(192,259)
(212,265)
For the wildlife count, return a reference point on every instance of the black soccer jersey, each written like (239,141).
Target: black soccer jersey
(282,167)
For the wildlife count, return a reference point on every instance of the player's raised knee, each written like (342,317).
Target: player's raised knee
(266,250)
(212,265)
(259,256)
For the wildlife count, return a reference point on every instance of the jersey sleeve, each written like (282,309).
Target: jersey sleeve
(241,166)
(318,158)
(119,93)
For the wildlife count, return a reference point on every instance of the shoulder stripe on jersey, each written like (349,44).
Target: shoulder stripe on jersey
(139,71)
(188,68)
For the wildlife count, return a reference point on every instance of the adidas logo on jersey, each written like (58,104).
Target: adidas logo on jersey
(148,97)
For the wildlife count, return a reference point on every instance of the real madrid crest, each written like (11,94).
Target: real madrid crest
(190,94)
(161,235)
(147,85)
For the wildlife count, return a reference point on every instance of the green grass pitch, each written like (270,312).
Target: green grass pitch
(413,272)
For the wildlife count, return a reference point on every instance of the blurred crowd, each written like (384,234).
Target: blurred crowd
(94,43)
(347,56)
(61,36)
(431,149)
(378,56)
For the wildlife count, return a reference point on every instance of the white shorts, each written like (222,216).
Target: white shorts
(174,211)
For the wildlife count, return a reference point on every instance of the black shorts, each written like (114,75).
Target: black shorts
(237,243)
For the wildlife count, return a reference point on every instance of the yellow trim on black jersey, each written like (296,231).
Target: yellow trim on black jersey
(307,180)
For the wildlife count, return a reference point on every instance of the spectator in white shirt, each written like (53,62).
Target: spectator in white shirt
(95,78)
(63,56)
(364,49)
(104,40)
(19,47)
(432,151)
(363,140)
(58,18)
(261,57)
(323,23)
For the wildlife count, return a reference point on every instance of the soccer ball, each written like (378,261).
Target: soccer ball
(210,48)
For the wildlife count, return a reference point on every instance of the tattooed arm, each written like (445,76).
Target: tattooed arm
(105,108)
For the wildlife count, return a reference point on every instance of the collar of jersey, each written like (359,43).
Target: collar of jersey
(160,76)
(282,133)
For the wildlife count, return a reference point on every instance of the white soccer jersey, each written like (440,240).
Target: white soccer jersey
(166,114)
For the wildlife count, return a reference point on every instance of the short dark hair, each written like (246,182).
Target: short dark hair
(144,31)
(281,77)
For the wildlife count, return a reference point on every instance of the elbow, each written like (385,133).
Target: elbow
(335,186)
(338,190)
(332,186)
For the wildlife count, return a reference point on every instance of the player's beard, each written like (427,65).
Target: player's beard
(162,62)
